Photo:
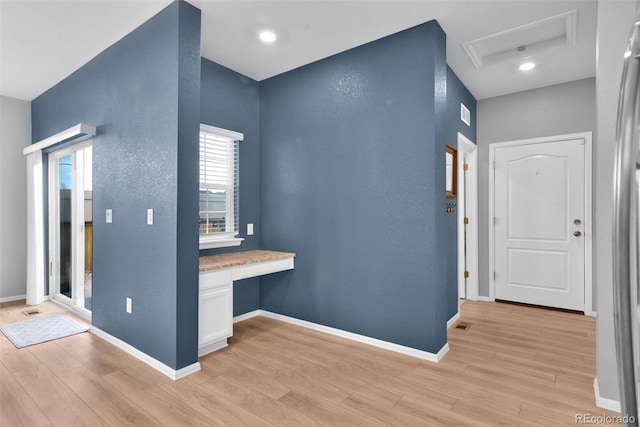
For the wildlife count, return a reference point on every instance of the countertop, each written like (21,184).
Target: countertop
(234,259)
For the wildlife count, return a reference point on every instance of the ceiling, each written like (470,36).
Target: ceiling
(43,41)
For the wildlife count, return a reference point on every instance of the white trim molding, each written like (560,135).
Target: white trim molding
(35,228)
(454,318)
(77,131)
(246,316)
(467,205)
(232,135)
(588,205)
(421,354)
(154,363)
(603,402)
(13,298)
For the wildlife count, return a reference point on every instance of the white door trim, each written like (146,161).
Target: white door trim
(468,202)
(588,222)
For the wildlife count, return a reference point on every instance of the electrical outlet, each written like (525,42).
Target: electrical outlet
(129,303)
(249,229)
(109,216)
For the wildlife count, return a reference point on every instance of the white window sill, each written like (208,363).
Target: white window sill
(220,243)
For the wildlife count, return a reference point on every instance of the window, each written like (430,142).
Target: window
(219,185)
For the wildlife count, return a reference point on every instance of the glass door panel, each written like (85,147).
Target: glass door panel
(87,202)
(71,227)
(65,165)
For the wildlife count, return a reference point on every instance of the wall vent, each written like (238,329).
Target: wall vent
(525,40)
(465,114)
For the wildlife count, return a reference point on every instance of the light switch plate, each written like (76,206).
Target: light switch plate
(149,216)
(109,216)
(129,304)
(249,229)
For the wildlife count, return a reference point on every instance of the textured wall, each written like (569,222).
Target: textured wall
(15,135)
(143,94)
(231,101)
(352,180)
(457,93)
(553,110)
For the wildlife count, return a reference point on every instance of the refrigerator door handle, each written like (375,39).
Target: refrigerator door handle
(625,237)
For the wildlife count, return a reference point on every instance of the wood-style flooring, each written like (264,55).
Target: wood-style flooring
(513,365)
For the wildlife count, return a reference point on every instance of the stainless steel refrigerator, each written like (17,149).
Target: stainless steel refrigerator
(626,226)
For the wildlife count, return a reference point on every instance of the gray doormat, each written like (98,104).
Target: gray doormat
(35,331)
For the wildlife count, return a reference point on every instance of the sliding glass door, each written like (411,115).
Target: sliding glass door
(70,227)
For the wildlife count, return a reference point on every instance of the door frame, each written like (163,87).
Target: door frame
(467,201)
(588,222)
(77,238)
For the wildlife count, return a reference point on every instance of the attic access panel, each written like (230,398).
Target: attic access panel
(531,38)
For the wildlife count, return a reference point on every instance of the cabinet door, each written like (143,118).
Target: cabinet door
(215,320)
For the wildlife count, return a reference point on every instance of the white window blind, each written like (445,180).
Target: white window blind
(219,182)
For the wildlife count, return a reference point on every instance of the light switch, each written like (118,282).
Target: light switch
(109,216)
(249,229)
(129,305)
(149,216)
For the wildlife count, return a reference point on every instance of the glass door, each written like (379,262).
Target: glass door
(71,227)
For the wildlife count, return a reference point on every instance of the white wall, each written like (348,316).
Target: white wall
(553,110)
(614,24)
(15,134)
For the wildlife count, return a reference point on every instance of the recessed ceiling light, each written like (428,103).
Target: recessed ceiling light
(268,36)
(526,66)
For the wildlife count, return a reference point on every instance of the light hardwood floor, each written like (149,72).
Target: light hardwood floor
(514,366)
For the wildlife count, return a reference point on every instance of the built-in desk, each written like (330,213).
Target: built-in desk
(217,274)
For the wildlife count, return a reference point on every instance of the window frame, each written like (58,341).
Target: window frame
(225,238)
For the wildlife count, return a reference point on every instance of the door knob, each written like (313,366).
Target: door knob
(577,233)
(577,221)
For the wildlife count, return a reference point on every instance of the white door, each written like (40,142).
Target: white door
(539,209)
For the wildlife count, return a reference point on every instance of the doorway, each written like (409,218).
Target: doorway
(71,228)
(540,221)
(467,219)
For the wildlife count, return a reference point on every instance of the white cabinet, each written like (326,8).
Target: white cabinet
(215,319)
(215,305)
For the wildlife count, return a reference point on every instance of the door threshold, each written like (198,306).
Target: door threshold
(545,307)
(81,313)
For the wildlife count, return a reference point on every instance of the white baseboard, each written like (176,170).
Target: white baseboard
(453,320)
(14,298)
(154,363)
(591,313)
(421,354)
(246,316)
(603,402)
(210,348)
(485,299)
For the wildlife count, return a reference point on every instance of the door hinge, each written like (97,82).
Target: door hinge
(50,269)
(466,220)
(495,220)
(494,275)
(465,166)
(494,165)
(466,274)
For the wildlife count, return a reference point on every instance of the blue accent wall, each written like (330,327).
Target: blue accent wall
(343,162)
(352,180)
(457,93)
(143,94)
(231,101)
